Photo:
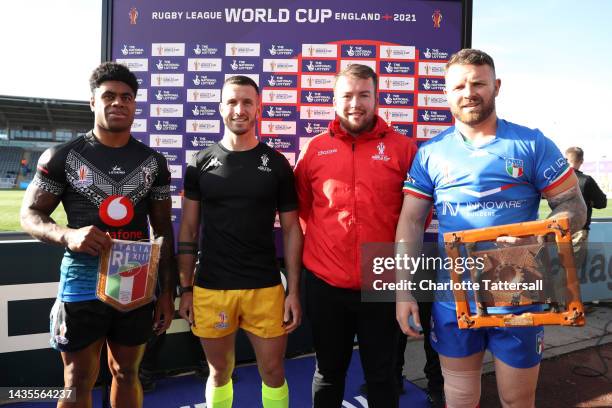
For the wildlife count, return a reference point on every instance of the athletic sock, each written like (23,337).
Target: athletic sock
(275,397)
(219,397)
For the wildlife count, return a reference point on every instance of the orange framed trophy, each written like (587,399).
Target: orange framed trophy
(539,270)
(127,274)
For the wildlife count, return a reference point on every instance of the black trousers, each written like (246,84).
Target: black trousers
(336,315)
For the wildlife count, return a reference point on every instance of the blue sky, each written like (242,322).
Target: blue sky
(553,56)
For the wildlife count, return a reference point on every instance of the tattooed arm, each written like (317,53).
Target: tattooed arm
(566,200)
(35,217)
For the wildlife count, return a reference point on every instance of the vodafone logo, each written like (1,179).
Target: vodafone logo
(116,211)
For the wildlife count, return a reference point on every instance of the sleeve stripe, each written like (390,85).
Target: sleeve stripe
(417,193)
(568,172)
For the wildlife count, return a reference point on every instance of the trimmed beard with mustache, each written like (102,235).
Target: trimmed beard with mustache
(475,116)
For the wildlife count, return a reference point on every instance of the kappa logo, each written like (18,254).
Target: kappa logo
(212,164)
(381,156)
(264,163)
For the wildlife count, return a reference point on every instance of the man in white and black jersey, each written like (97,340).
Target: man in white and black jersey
(109,184)
(233,191)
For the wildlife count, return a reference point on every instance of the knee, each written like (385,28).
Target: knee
(220,371)
(461,388)
(124,374)
(518,398)
(272,372)
(81,378)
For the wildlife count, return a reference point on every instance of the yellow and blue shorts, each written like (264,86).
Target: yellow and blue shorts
(218,313)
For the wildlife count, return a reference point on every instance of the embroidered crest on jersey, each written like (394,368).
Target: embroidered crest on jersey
(85,177)
(381,153)
(135,185)
(264,163)
(514,167)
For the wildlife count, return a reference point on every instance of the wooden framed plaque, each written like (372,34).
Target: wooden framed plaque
(538,271)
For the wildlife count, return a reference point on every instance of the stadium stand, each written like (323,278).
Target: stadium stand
(28,126)
(10,163)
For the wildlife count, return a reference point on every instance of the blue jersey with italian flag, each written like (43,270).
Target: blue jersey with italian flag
(498,183)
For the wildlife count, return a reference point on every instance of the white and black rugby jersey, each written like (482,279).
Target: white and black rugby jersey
(109,187)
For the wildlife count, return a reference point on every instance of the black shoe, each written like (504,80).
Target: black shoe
(436,398)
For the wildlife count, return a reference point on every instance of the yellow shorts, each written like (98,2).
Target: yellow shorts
(218,313)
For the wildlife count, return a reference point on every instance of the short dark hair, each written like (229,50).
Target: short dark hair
(575,154)
(241,80)
(470,56)
(113,71)
(358,71)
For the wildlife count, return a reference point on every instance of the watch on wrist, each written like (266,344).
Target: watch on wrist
(183,289)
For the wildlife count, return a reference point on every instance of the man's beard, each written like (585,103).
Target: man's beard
(477,116)
(357,128)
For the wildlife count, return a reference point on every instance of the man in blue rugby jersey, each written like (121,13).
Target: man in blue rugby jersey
(483,172)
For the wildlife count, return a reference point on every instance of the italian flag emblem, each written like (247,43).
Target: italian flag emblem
(514,167)
(128,274)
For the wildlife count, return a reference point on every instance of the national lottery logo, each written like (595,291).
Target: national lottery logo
(436,18)
(309,97)
(125,50)
(116,211)
(271,114)
(388,99)
(425,116)
(427,53)
(160,65)
(350,52)
(389,68)
(197,50)
(426,84)
(159,95)
(272,50)
(308,128)
(234,65)
(272,81)
(310,66)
